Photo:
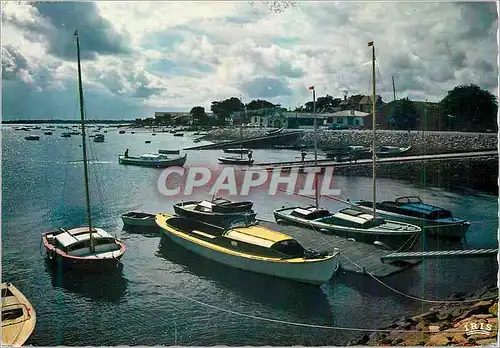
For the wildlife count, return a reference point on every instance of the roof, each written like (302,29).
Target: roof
(262,233)
(80,234)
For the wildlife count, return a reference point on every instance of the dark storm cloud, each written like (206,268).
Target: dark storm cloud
(97,35)
(265,87)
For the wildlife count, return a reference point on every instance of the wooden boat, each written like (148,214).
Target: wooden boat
(235,160)
(169,152)
(218,212)
(349,223)
(432,219)
(237,150)
(138,219)
(153,160)
(252,248)
(274,132)
(87,247)
(32,137)
(178,134)
(384,151)
(18,316)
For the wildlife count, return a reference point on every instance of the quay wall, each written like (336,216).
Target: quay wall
(472,173)
(421,142)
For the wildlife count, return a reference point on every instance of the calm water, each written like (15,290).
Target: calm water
(152,301)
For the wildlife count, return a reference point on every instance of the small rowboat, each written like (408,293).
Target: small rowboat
(235,160)
(18,316)
(237,151)
(153,160)
(138,219)
(168,152)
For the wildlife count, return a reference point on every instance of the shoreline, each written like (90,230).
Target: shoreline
(443,324)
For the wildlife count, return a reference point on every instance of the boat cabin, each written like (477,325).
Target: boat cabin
(413,206)
(76,242)
(311,213)
(353,218)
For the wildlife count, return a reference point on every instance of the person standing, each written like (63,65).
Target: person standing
(303,155)
(126,153)
(250,155)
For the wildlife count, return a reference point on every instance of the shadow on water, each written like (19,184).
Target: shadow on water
(109,286)
(303,300)
(146,231)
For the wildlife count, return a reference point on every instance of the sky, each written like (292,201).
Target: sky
(142,57)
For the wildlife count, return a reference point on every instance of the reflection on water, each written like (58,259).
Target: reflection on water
(110,286)
(146,231)
(302,300)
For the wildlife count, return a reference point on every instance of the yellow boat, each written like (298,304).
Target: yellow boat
(250,247)
(18,316)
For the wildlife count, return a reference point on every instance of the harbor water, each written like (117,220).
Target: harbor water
(165,295)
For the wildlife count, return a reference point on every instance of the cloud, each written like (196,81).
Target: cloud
(146,56)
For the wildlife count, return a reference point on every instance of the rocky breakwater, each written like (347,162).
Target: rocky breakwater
(421,142)
(458,324)
(225,134)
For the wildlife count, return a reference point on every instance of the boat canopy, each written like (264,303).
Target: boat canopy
(408,199)
(80,234)
(243,237)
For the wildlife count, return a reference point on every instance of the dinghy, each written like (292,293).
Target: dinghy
(153,160)
(138,219)
(18,316)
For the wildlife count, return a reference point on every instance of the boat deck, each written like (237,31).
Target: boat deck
(365,255)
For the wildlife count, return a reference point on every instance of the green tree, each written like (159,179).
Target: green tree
(469,108)
(260,104)
(199,115)
(223,109)
(403,114)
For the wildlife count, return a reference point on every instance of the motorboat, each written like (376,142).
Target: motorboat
(235,160)
(18,316)
(153,160)
(134,218)
(250,247)
(349,223)
(218,211)
(387,150)
(432,219)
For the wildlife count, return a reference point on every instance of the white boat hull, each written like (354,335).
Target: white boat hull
(317,272)
(146,222)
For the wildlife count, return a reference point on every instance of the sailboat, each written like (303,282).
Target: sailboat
(85,247)
(349,222)
(241,151)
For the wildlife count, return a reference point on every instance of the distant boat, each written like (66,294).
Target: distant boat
(121,132)
(86,247)
(432,219)
(391,151)
(178,134)
(47,133)
(18,316)
(170,152)
(290,147)
(99,138)
(218,212)
(153,160)
(237,150)
(252,248)
(274,132)
(147,142)
(344,153)
(235,160)
(138,219)
(66,135)
(32,137)
(153,134)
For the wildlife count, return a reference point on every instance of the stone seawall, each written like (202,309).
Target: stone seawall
(421,142)
(474,173)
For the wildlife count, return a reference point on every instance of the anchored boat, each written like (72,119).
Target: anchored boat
(348,223)
(387,150)
(18,316)
(138,219)
(235,160)
(86,247)
(153,160)
(237,151)
(32,137)
(432,219)
(251,248)
(219,211)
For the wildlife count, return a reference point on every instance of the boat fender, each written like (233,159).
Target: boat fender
(382,244)
(51,255)
(351,239)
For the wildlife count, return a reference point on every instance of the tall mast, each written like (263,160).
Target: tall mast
(374,117)
(241,128)
(84,143)
(316,193)
(393,89)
